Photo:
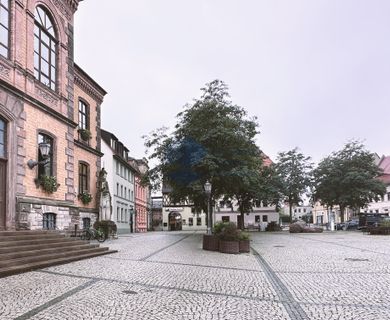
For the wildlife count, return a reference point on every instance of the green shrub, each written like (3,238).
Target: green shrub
(218,228)
(85,197)
(85,134)
(229,232)
(243,236)
(385,223)
(48,183)
(108,227)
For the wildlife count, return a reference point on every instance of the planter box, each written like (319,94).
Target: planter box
(229,246)
(210,242)
(380,231)
(244,246)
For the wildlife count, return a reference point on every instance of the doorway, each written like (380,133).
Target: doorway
(175,221)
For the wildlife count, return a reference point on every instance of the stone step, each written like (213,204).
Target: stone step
(17,243)
(50,256)
(7,271)
(34,236)
(27,232)
(33,251)
(28,247)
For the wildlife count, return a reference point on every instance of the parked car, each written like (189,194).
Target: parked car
(352,224)
(340,226)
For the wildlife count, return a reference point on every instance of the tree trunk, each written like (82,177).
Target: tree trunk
(241,226)
(342,210)
(290,207)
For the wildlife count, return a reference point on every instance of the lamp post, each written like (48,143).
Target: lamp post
(207,189)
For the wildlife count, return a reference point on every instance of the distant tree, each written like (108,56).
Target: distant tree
(212,140)
(294,170)
(348,178)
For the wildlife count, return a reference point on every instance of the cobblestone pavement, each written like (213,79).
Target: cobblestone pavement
(343,275)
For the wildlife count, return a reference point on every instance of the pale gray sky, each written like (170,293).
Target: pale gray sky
(315,72)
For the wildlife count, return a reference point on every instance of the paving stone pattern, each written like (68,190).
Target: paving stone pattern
(343,275)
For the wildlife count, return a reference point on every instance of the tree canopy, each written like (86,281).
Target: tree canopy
(213,140)
(294,170)
(348,178)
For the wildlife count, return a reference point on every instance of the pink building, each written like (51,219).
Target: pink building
(49,120)
(142,196)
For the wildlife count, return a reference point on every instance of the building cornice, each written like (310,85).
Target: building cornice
(84,81)
(88,148)
(25,97)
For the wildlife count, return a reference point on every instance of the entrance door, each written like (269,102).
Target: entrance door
(3,176)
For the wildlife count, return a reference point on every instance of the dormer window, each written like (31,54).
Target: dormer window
(45,48)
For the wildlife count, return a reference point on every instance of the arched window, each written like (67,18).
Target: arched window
(45,168)
(83,178)
(45,48)
(4,28)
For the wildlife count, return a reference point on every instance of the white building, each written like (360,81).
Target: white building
(120,178)
(258,218)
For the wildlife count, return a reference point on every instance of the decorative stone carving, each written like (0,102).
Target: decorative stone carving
(4,71)
(46,95)
(63,8)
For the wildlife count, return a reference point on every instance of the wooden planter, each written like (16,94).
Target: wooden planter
(229,246)
(244,246)
(380,231)
(210,242)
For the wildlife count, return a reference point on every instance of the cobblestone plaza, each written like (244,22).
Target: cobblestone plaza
(343,275)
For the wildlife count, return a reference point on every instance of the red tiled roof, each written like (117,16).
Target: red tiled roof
(384,164)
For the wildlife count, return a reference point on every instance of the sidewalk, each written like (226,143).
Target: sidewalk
(169,276)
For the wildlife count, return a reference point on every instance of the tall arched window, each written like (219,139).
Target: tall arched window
(45,48)
(4,28)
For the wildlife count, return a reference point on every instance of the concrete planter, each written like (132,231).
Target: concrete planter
(210,242)
(244,246)
(229,246)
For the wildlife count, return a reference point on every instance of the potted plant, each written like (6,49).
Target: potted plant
(85,197)
(211,241)
(48,183)
(228,238)
(244,242)
(85,134)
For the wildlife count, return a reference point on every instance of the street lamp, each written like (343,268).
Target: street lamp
(44,149)
(207,189)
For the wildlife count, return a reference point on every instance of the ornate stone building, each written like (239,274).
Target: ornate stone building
(49,120)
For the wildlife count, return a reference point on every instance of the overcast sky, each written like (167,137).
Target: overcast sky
(315,73)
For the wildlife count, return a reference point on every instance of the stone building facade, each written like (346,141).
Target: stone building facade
(46,102)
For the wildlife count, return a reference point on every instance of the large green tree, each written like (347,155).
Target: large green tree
(348,178)
(213,140)
(294,170)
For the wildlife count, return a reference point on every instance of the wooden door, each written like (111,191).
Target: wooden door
(3,191)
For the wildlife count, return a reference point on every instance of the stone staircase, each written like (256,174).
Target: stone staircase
(22,251)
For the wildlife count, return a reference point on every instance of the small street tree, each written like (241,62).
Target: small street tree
(212,140)
(348,178)
(294,170)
